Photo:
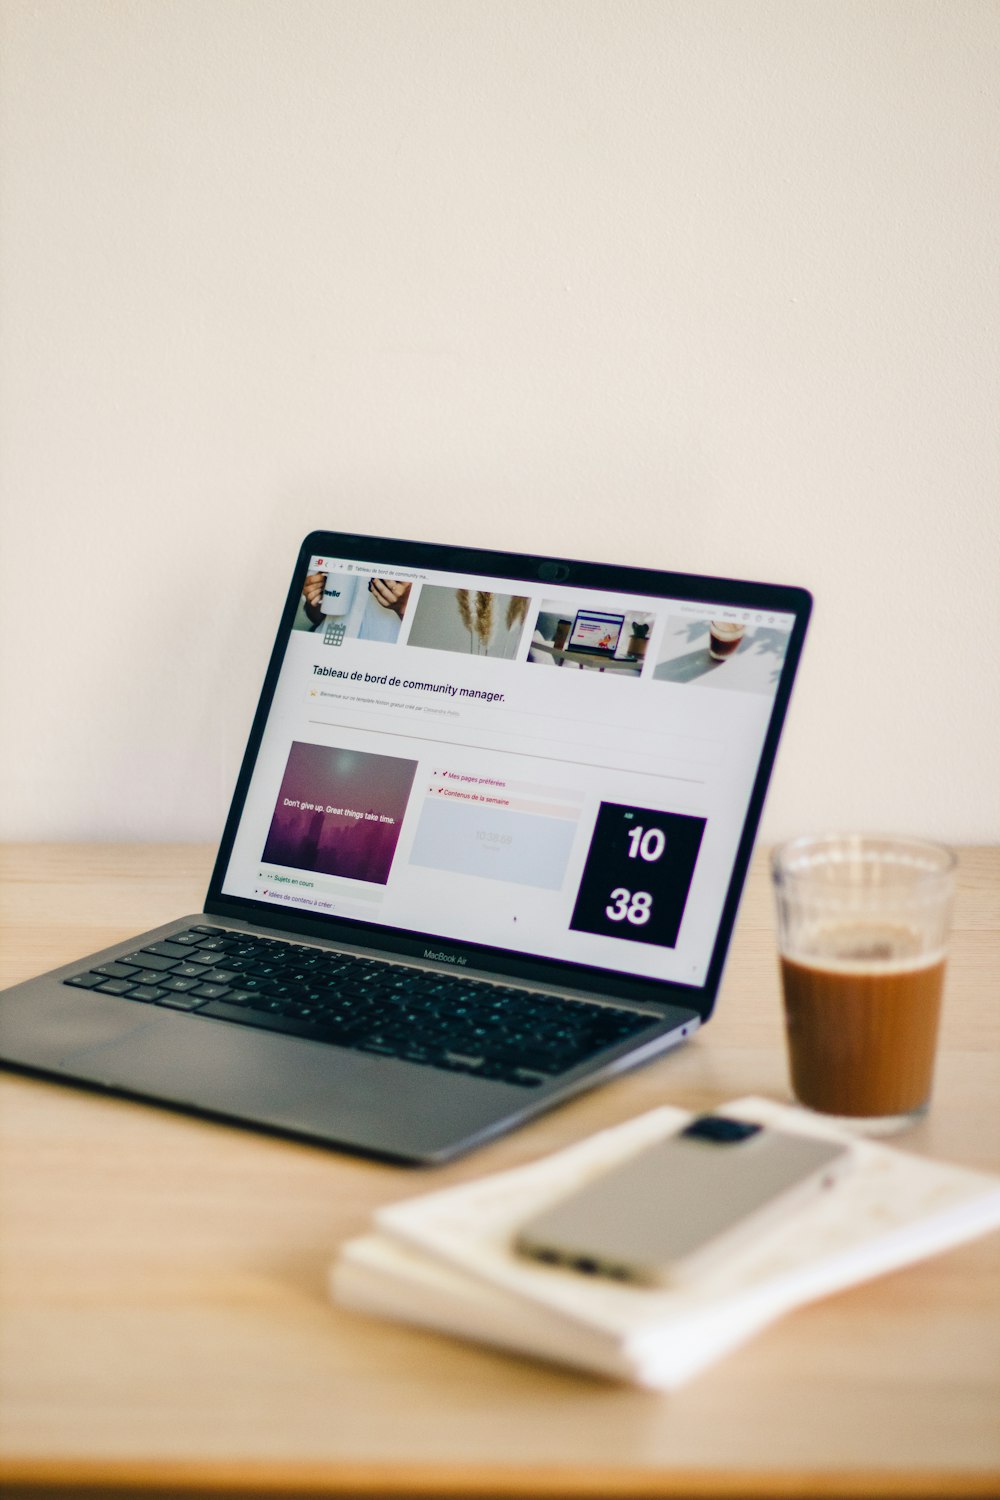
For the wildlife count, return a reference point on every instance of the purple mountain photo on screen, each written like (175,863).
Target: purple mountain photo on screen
(339,812)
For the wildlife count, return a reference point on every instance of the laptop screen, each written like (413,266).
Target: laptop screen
(430,758)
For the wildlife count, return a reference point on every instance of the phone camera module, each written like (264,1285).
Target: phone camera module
(720,1130)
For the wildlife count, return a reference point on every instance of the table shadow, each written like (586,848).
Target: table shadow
(687,668)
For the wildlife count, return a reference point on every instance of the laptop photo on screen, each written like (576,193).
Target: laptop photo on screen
(456,885)
(595,632)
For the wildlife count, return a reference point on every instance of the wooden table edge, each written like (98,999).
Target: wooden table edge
(165,1479)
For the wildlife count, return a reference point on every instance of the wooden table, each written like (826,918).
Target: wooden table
(166,1328)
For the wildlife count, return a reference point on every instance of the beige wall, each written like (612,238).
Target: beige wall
(703,283)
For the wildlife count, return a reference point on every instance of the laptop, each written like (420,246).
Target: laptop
(456,886)
(595,632)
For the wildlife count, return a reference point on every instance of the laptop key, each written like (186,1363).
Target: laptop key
(278,991)
(116,970)
(84,981)
(115,987)
(253,985)
(168,950)
(148,992)
(152,961)
(179,1002)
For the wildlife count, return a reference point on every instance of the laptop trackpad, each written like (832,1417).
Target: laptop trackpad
(219,1067)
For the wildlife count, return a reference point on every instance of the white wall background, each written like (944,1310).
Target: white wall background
(710,284)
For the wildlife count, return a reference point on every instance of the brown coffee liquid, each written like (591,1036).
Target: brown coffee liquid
(861,1040)
(724,642)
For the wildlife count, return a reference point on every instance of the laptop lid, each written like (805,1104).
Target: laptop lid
(419,782)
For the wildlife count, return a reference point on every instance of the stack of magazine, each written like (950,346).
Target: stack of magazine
(446,1260)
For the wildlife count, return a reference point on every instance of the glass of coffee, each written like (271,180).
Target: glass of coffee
(862,934)
(724,637)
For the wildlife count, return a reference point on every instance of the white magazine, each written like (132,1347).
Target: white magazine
(445,1260)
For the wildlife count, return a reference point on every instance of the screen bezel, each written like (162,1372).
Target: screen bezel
(518,567)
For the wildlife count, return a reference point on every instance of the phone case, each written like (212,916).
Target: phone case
(680,1205)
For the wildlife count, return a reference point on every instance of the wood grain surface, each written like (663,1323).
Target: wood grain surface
(165,1327)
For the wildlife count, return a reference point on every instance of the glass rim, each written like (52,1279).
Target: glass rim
(872,849)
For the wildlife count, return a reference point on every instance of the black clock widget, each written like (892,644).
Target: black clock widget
(638,873)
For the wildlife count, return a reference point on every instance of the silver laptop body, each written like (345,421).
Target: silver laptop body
(466,872)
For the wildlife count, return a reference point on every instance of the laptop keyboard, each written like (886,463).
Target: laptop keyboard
(441,1020)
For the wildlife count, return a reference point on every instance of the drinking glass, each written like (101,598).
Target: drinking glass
(863,925)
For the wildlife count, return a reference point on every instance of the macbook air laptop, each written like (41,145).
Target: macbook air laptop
(455,886)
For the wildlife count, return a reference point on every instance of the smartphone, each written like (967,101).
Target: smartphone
(682,1205)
